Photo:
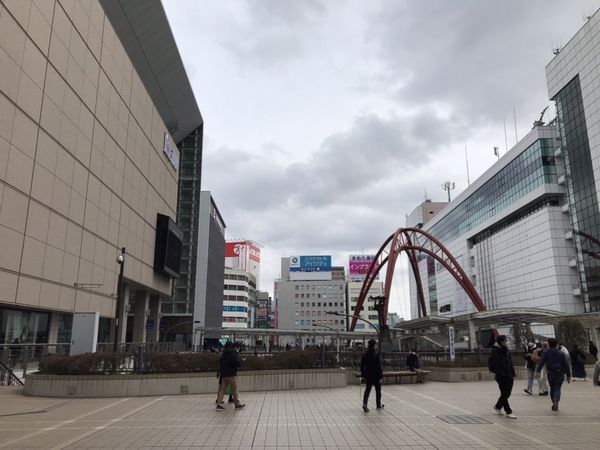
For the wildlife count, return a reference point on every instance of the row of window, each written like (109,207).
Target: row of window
(319,322)
(235,319)
(311,313)
(230,276)
(318,304)
(235,287)
(313,295)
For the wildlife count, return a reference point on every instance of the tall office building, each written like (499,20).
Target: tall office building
(93,99)
(573,76)
(308,290)
(368,312)
(244,255)
(510,234)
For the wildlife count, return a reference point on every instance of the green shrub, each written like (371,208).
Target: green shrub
(181,362)
(84,364)
(570,332)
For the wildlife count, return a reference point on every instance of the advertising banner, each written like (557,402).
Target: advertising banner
(310,264)
(358,266)
(240,249)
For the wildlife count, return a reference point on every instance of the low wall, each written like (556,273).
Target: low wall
(178,383)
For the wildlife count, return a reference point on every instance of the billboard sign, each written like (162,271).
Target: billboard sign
(310,264)
(241,249)
(358,266)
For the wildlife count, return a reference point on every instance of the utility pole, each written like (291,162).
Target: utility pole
(448,186)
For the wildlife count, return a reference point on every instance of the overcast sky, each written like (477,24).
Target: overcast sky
(327,121)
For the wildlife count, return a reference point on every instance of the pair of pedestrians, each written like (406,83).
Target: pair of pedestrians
(533,357)
(228,366)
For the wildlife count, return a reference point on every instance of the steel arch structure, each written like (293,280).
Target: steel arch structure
(412,241)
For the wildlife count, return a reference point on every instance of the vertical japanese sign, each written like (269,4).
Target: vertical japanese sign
(451,342)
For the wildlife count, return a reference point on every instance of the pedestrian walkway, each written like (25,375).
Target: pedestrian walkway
(430,416)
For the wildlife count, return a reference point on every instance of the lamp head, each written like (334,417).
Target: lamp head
(120,258)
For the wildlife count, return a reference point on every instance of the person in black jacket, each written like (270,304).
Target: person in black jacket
(500,364)
(372,372)
(228,366)
(593,351)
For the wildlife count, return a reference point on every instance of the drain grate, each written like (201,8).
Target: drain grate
(457,420)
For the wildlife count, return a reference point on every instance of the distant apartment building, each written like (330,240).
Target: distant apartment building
(308,290)
(368,311)
(510,232)
(572,77)
(239,292)
(394,319)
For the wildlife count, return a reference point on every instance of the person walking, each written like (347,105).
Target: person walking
(557,368)
(530,366)
(500,364)
(593,350)
(596,379)
(542,382)
(228,366)
(578,363)
(372,372)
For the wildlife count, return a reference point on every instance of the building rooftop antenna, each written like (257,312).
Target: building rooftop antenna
(448,186)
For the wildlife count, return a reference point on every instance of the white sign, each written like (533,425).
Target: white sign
(84,333)
(451,341)
(171,150)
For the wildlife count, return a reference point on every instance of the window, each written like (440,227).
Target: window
(302,304)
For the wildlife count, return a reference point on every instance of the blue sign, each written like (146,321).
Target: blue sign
(310,264)
(149,324)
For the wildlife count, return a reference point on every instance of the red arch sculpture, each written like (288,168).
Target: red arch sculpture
(412,240)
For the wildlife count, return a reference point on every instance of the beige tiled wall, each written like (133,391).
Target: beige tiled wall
(82,171)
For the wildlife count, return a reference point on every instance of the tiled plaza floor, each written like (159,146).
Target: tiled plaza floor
(414,417)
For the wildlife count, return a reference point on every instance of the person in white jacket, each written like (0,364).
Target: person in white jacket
(597,374)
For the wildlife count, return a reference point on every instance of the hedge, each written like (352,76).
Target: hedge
(112,363)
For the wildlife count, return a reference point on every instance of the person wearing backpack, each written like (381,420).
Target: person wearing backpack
(500,364)
(557,368)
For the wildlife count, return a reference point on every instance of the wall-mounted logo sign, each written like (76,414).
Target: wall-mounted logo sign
(171,150)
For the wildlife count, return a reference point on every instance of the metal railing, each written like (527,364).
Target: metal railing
(149,347)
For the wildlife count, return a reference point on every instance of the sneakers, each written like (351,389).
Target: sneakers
(220,408)
(240,405)
(511,416)
(380,406)
(527,391)
(544,393)
(365,409)
(554,405)
(498,411)
(230,400)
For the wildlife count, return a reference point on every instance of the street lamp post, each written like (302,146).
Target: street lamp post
(121,262)
(335,313)
(337,332)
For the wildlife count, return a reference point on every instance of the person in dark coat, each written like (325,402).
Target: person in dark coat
(578,362)
(557,367)
(412,361)
(228,366)
(372,371)
(593,350)
(500,364)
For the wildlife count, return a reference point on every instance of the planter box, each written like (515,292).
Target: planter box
(178,383)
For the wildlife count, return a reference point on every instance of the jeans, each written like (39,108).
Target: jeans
(530,377)
(555,379)
(505,384)
(370,384)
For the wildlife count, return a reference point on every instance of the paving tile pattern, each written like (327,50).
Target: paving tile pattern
(320,419)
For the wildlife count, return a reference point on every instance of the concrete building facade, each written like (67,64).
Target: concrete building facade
(510,233)
(238,289)
(304,304)
(88,107)
(368,311)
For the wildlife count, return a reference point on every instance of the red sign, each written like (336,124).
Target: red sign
(241,249)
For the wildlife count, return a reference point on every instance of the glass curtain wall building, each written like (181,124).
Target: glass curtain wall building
(572,77)
(509,233)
